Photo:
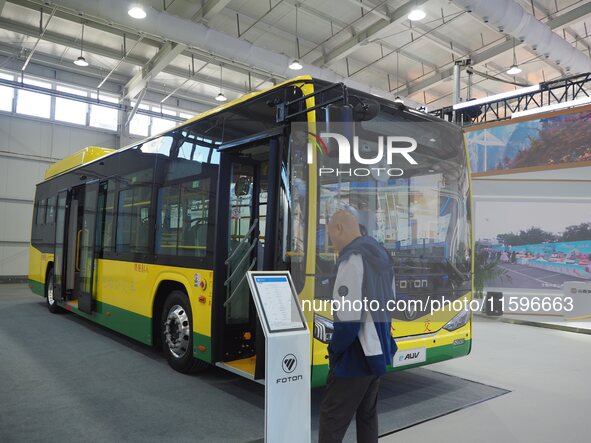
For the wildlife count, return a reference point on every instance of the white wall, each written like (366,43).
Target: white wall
(27,147)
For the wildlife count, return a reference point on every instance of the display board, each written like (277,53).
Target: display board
(279,303)
(533,245)
(556,139)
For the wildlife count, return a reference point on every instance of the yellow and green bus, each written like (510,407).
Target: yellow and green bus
(154,240)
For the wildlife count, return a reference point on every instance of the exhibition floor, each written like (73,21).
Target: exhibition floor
(65,379)
(547,372)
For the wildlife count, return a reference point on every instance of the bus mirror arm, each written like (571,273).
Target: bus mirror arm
(364,109)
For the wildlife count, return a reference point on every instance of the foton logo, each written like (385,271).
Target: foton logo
(412,284)
(387,147)
(289,363)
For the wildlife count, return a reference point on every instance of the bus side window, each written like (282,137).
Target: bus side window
(133,213)
(195,200)
(50,212)
(183,213)
(124,215)
(106,216)
(40,217)
(167,220)
(109,226)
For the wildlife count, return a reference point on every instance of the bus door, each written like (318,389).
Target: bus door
(242,252)
(86,239)
(244,243)
(75,245)
(60,246)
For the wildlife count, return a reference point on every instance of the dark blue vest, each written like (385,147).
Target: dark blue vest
(346,355)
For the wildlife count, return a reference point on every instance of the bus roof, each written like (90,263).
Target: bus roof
(245,98)
(220,108)
(92,153)
(80,158)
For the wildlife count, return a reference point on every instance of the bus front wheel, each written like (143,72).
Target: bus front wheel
(176,333)
(52,305)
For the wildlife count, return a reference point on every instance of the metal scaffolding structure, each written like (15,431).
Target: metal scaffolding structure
(551,92)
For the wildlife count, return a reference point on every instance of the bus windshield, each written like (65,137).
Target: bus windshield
(415,205)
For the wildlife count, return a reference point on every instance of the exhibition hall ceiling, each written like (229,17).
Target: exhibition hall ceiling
(371,42)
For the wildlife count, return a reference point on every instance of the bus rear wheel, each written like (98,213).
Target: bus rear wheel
(52,305)
(176,333)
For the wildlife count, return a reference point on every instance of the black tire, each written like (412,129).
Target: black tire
(52,305)
(176,334)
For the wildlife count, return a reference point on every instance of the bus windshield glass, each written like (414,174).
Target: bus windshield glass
(406,180)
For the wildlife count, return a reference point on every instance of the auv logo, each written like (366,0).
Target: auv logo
(387,148)
(409,356)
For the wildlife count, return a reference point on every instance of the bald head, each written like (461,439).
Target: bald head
(343,228)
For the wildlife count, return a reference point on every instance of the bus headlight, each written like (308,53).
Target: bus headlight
(323,328)
(458,321)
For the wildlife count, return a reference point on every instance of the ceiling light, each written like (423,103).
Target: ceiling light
(221,97)
(295,65)
(81,61)
(137,12)
(416,15)
(514,70)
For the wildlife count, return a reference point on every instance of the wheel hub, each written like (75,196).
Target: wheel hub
(50,298)
(177,330)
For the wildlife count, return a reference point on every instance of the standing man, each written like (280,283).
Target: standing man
(362,345)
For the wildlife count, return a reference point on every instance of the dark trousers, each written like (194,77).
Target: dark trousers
(343,398)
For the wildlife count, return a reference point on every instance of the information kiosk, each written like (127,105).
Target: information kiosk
(287,357)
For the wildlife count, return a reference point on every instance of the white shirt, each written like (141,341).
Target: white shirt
(349,286)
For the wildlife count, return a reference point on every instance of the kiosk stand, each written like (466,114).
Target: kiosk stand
(287,357)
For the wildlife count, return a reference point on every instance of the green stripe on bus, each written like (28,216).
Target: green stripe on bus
(434,355)
(205,341)
(121,320)
(137,326)
(37,287)
(134,325)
